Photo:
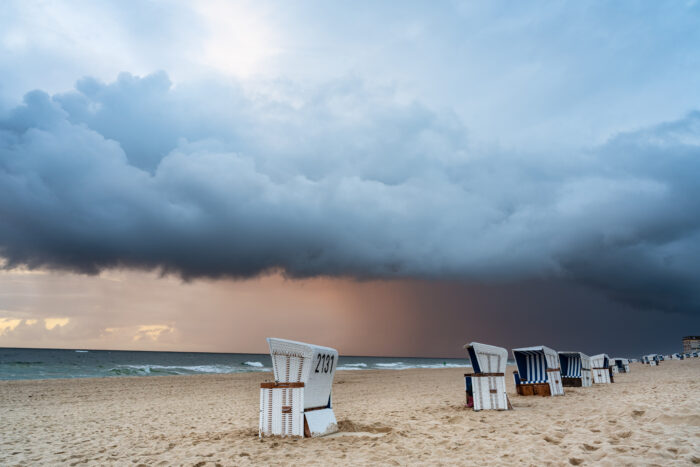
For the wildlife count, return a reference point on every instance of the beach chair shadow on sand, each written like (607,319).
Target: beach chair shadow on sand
(298,402)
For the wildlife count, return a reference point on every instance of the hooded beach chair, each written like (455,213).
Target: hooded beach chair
(298,403)
(487,385)
(538,372)
(575,369)
(622,365)
(652,359)
(600,365)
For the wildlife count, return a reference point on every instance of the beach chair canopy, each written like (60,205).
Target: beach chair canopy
(573,362)
(600,361)
(533,363)
(313,365)
(487,358)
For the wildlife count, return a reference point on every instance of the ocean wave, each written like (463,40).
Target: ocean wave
(389,365)
(255,364)
(363,365)
(82,351)
(20,363)
(144,370)
(347,368)
(443,365)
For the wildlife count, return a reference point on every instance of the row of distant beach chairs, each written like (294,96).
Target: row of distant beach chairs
(654,359)
(299,401)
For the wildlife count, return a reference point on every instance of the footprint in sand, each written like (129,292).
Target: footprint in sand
(575,461)
(638,413)
(588,447)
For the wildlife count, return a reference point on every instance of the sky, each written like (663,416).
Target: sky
(384,178)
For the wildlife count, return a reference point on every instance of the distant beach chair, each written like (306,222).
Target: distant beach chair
(651,359)
(613,368)
(622,365)
(600,365)
(575,369)
(539,372)
(299,402)
(487,385)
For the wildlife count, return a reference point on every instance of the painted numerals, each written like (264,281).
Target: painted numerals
(324,363)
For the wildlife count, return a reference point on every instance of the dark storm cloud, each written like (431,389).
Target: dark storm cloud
(342,180)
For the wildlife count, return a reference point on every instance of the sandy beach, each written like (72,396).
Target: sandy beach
(648,417)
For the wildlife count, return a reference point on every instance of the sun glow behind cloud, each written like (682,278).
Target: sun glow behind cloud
(240,39)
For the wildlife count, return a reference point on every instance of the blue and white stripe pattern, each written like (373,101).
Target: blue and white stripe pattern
(570,364)
(533,363)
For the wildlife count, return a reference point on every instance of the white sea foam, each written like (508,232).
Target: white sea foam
(138,370)
(255,364)
(390,365)
(81,351)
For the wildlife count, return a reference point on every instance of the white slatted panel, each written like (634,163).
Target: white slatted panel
(484,399)
(276,421)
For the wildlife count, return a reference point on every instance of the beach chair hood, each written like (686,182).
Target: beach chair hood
(487,358)
(310,364)
(533,362)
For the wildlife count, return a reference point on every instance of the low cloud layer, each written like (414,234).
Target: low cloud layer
(344,179)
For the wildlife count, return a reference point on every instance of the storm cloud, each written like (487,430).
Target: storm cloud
(344,179)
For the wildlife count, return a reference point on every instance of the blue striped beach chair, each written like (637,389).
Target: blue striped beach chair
(575,369)
(539,372)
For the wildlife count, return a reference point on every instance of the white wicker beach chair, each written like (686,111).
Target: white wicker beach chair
(487,385)
(298,403)
(575,369)
(539,372)
(600,365)
(622,365)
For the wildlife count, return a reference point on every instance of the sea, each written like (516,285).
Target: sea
(68,363)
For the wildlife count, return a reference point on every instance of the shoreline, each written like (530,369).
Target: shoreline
(241,373)
(386,417)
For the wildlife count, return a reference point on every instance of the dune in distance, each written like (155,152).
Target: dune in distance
(410,417)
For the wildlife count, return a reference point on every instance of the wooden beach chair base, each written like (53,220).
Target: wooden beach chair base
(571,382)
(533,389)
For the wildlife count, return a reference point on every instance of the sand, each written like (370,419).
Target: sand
(648,417)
